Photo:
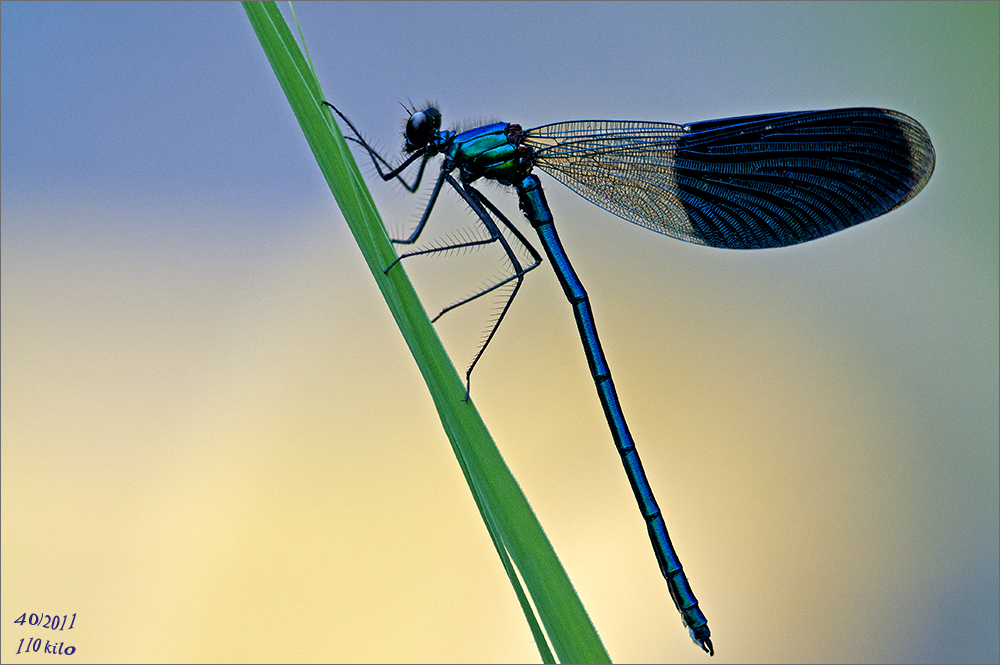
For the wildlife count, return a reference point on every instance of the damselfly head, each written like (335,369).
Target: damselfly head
(421,127)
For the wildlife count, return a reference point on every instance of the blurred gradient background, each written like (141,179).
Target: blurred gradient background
(216,447)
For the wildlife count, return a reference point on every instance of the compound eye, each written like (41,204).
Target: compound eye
(421,126)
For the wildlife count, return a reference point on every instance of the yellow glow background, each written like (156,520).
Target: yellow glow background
(215,447)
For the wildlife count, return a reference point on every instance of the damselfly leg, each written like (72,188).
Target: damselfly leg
(482,207)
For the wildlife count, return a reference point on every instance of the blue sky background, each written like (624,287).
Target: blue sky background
(215,445)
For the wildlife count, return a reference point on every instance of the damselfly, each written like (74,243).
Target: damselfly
(740,183)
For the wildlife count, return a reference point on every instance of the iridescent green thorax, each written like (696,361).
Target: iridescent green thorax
(494,152)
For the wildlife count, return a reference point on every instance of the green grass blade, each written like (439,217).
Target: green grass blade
(508,517)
